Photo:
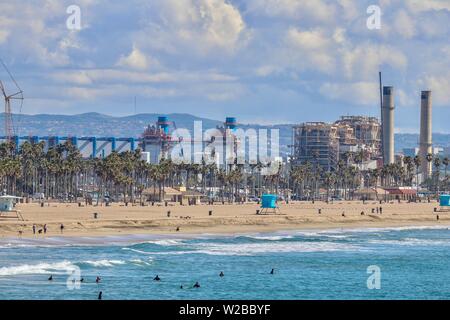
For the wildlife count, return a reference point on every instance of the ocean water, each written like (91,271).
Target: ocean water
(414,263)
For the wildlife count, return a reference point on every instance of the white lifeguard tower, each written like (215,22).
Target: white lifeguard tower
(7,205)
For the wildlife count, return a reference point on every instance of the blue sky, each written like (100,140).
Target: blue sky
(265,61)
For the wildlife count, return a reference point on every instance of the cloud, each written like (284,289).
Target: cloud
(136,60)
(200,26)
(357,93)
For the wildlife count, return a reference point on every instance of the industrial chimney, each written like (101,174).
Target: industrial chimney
(388,125)
(425,133)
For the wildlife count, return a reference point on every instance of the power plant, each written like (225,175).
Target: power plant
(425,145)
(388,125)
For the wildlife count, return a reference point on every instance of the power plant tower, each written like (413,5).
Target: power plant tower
(388,125)
(425,146)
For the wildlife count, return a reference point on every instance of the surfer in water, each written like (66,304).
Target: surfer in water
(157,278)
(197,285)
(221,274)
(273,271)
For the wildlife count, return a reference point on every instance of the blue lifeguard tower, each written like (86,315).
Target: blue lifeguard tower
(269,203)
(444,202)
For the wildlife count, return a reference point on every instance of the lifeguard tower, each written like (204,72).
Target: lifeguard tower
(269,204)
(7,205)
(444,202)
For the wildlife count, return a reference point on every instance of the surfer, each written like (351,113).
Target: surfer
(98,279)
(197,285)
(100,295)
(221,274)
(157,278)
(50,278)
(273,271)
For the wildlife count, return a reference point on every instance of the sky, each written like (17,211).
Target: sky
(263,61)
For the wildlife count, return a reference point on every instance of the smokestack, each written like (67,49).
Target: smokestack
(425,133)
(388,125)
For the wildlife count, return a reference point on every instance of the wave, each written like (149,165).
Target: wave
(40,268)
(166,242)
(412,242)
(269,238)
(104,263)
(250,249)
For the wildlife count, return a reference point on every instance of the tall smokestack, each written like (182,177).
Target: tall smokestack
(388,125)
(425,133)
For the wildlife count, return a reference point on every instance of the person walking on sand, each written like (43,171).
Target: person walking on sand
(45,228)
(34,229)
(61,228)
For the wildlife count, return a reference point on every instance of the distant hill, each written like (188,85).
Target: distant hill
(96,124)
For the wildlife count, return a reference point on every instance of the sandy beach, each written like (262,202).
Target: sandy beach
(119,219)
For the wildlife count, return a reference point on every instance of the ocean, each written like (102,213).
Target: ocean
(389,263)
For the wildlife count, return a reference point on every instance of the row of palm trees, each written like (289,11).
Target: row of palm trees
(60,172)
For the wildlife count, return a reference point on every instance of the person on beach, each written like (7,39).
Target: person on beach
(197,285)
(61,228)
(157,278)
(381,210)
(34,229)
(45,228)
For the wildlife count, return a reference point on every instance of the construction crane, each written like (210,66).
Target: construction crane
(9,131)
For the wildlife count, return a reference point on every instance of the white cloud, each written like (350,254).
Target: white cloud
(200,26)
(136,60)
(357,93)
(404,25)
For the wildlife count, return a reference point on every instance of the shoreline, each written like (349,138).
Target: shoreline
(137,238)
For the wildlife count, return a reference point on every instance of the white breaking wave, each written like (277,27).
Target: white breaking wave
(166,242)
(412,242)
(40,268)
(140,262)
(270,238)
(274,247)
(104,263)
(260,248)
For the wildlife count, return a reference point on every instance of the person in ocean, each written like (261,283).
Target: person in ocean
(273,271)
(157,278)
(197,285)
(98,279)
(100,294)
(50,278)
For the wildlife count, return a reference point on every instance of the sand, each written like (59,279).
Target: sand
(119,219)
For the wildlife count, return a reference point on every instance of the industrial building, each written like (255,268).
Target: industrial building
(316,143)
(426,143)
(326,143)
(387,116)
